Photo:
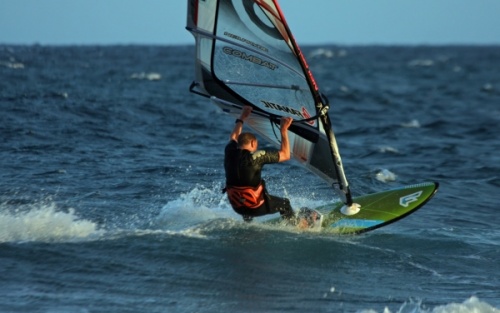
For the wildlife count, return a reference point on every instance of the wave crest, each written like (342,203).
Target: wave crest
(43,222)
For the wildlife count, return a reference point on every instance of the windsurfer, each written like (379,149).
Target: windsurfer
(243,165)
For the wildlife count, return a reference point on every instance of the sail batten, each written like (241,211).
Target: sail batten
(246,55)
(291,87)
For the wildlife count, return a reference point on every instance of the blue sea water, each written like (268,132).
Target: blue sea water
(111,174)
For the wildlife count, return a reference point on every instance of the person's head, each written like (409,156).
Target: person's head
(247,141)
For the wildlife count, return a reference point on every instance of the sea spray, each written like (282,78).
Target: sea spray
(44,222)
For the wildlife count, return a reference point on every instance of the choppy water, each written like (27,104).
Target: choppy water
(111,173)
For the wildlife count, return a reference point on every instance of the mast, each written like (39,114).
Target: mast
(343,189)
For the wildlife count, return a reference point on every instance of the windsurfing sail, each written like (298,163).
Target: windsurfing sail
(246,55)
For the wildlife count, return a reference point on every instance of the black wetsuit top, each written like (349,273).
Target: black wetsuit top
(243,168)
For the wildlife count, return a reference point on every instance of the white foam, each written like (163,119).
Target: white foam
(198,205)
(471,305)
(321,53)
(421,63)
(206,209)
(43,222)
(388,149)
(384,175)
(12,64)
(146,76)
(411,124)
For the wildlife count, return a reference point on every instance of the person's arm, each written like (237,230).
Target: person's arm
(238,126)
(285,144)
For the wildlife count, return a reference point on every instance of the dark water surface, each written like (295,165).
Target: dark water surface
(111,174)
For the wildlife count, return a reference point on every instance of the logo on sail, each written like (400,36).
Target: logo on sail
(248,57)
(256,45)
(406,200)
(282,108)
(307,115)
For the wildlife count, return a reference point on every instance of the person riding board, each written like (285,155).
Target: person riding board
(243,164)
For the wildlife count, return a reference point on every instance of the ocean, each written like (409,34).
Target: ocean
(111,176)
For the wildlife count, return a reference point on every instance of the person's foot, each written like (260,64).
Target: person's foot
(307,218)
(302,223)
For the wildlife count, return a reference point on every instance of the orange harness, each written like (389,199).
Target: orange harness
(249,197)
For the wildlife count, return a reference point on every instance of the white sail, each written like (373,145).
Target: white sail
(246,55)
